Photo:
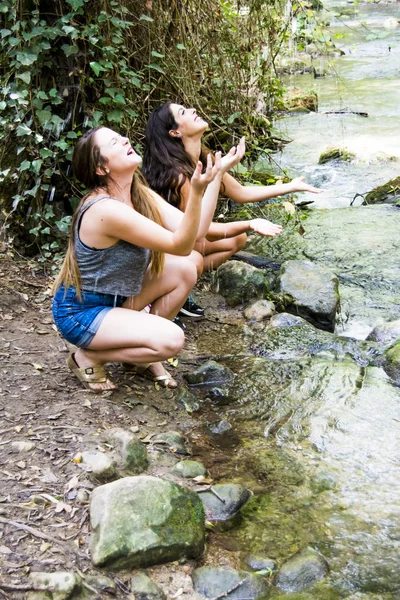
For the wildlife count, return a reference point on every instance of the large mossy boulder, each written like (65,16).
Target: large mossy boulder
(392,363)
(141,521)
(331,154)
(216,582)
(298,100)
(314,290)
(302,570)
(389,193)
(239,282)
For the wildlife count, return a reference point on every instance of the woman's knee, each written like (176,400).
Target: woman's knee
(187,270)
(197,259)
(172,342)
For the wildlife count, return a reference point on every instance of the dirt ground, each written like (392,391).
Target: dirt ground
(45,415)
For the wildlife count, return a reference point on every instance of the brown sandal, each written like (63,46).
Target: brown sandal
(166,380)
(89,375)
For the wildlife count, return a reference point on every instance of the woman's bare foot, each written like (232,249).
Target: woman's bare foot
(93,376)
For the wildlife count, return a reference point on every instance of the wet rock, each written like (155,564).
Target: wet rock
(301,570)
(288,320)
(258,563)
(188,400)
(130,454)
(212,582)
(141,521)
(239,282)
(391,23)
(323,482)
(389,193)
(335,154)
(298,100)
(391,363)
(219,395)
(98,464)
(174,440)
(189,469)
(210,372)
(63,583)
(314,290)
(101,583)
(260,310)
(387,333)
(144,588)
(219,427)
(223,504)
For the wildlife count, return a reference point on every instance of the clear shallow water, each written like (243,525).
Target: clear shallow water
(365,79)
(319,422)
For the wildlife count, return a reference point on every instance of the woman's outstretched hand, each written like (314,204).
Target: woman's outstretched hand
(199,180)
(299,185)
(234,156)
(264,227)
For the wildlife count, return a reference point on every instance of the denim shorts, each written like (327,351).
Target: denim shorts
(78,320)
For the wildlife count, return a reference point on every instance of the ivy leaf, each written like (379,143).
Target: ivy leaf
(119,99)
(115,116)
(181,47)
(26,59)
(25,165)
(157,54)
(45,153)
(146,18)
(76,4)
(36,165)
(3,105)
(23,130)
(96,68)
(156,67)
(5,32)
(69,50)
(26,77)
(44,116)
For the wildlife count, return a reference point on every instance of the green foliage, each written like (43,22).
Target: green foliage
(75,64)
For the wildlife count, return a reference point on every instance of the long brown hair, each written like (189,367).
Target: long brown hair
(86,160)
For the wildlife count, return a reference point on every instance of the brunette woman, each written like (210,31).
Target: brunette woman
(128,248)
(173,148)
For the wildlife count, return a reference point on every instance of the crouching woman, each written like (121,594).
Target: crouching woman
(120,259)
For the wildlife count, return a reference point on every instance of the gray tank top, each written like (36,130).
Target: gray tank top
(117,270)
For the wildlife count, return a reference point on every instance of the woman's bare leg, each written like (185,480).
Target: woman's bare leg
(157,339)
(218,252)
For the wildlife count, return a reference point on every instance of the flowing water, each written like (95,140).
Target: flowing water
(317,417)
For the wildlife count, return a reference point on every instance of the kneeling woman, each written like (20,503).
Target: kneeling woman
(122,257)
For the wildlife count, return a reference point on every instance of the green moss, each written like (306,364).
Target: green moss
(389,192)
(335,154)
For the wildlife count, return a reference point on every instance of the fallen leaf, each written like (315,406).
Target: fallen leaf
(87,403)
(44,546)
(18,428)
(174,362)
(5,550)
(178,593)
(37,366)
(134,429)
(63,506)
(42,331)
(289,208)
(72,483)
(77,458)
(21,464)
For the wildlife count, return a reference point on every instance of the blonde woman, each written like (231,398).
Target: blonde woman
(128,248)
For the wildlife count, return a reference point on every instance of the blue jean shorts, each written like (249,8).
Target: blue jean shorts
(78,320)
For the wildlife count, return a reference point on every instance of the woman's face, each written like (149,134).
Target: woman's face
(188,121)
(117,151)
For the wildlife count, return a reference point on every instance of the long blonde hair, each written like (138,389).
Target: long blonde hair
(85,162)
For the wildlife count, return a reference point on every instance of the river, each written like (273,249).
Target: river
(316,417)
